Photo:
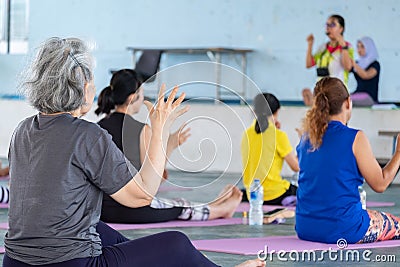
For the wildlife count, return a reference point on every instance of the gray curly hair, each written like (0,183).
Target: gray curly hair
(54,81)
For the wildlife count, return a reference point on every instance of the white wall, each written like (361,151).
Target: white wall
(276,29)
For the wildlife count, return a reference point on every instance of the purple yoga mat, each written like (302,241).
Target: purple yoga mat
(172,188)
(3,225)
(245,206)
(274,244)
(2,250)
(217,222)
(170,224)
(6,177)
(375,204)
(4,206)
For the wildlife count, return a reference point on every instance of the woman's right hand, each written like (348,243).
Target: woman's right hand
(310,39)
(164,113)
(145,183)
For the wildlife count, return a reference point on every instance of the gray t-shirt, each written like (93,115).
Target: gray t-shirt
(59,167)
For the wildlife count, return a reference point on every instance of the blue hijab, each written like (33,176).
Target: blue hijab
(371,54)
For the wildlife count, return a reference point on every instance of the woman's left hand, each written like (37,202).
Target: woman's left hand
(179,137)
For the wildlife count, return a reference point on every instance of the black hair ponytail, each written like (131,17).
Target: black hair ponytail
(265,105)
(105,101)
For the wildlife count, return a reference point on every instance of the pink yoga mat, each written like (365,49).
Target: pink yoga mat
(3,225)
(172,188)
(2,250)
(170,224)
(245,206)
(274,244)
(217,222)
(376,204)
(6,177)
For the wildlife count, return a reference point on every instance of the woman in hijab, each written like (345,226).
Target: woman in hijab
(366,71)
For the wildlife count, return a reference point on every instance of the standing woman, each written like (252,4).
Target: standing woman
(61,165)
(334,160)
(366,71)
(119,101)
(334,58)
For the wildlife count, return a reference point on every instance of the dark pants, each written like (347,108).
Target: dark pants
(146,214)
(163,249)
(291,191)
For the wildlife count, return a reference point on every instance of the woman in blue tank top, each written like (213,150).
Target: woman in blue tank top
(334,160)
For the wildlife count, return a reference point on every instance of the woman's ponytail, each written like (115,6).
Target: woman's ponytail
(105,101)
(329,96)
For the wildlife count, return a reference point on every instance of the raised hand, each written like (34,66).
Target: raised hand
(310,39)
(179,137)
(164,113)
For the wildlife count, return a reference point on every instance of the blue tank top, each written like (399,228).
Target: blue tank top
(328,202)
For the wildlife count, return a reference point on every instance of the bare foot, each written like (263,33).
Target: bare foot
(252,263)
(226,208)
(4,171)
(224,194)
(307,96)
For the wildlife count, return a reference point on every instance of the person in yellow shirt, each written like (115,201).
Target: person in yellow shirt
(264,148)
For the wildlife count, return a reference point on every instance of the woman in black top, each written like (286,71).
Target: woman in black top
(125,96)
(366,71)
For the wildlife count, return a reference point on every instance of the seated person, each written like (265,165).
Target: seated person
(366,71)
(264,148)
(119,102)
(334,160)
(61,165)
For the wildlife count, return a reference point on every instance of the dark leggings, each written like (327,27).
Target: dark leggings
(291,191)
(146,214)
(163,249)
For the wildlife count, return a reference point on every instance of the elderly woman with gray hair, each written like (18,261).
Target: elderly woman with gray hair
(61,165)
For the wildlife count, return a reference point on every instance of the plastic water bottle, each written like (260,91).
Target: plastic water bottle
(256,214)
(363,197)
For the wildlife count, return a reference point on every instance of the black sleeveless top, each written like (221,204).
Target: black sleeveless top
(125,132)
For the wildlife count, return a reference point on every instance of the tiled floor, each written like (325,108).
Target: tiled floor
(205,186)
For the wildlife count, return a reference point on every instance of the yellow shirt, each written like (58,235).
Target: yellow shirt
(262,156)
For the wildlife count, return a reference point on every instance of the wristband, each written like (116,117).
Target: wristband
(345,47)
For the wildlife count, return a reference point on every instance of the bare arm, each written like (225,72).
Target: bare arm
(309,57)
(376,177)
(144,185)
(145,137)
(346,60)
(365,74)
(292,161)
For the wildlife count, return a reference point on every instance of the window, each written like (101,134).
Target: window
(14,26)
